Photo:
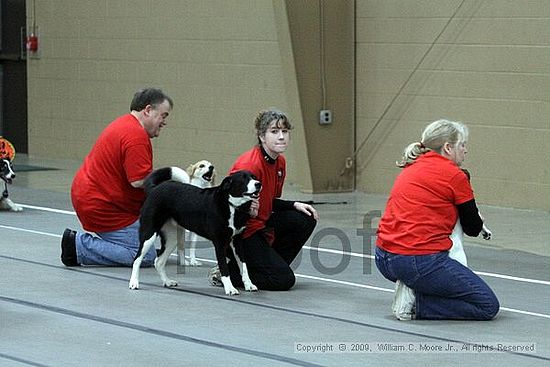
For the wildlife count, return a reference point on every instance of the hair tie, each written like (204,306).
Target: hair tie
(422,146)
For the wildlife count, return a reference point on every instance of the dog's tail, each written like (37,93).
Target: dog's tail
(165,174)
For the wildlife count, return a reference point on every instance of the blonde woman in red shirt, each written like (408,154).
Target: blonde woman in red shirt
(413,242)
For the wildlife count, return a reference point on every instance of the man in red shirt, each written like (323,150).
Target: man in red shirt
(107,190)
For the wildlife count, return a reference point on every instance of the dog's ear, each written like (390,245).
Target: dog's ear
(191,170)
(225,186)
(213,177)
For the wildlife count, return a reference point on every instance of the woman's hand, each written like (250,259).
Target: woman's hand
(307,209)
(254,207)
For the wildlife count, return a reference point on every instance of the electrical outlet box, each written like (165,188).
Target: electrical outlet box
(325,117)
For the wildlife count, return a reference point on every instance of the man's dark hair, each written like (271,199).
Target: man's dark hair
(149,96)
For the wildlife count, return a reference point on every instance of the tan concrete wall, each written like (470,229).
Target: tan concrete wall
(220,60)
(488,69)
(322,34)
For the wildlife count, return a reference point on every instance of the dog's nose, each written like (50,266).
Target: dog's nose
(258,185)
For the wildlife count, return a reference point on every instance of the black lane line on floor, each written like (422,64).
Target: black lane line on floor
(275,308)
(157,332)
(22,361)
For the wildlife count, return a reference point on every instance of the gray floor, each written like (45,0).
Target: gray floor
(54,316)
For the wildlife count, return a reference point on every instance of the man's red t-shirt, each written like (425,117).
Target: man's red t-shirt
(101,192)
(272,176)
(421,210)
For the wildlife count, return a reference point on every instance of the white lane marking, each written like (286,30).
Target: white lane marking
(344,283)
(30,231)
(332,251)
(525,312)
(337,252)
(358,285)
(328,280)
(494,275)
(319,249)
(517,279)
(51,210)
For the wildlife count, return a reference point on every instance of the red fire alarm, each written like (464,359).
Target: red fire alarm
(32,42)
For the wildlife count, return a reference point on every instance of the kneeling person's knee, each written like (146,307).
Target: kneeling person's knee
(284,281)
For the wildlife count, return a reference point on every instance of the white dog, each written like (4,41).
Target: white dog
(457,250)
(201,174)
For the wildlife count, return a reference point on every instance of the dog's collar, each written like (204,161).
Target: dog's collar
(266,156)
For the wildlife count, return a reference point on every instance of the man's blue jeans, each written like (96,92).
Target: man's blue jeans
(116,248)
(444,288)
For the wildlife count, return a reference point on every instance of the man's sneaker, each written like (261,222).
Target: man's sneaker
(215,277)
(68,248)
(403,306)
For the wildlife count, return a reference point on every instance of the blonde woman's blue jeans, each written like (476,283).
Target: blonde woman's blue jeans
(444,288)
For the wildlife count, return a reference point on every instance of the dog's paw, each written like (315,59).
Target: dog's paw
(228,286)
(249,287)
(7,204)
(192,262)
(169,283)
(134,284)
(486,233)
(231,291)
(16,208)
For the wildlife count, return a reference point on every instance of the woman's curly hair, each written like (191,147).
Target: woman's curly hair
(266,117)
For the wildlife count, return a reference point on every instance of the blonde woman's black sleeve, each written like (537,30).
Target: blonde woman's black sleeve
(469,218)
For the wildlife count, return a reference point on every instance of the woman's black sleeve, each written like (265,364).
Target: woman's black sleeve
(280,204)
(469,218)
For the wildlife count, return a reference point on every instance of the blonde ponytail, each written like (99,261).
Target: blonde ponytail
(411,152)
(434,137)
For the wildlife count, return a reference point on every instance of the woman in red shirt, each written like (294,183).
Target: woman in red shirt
(426,200)
(278,228)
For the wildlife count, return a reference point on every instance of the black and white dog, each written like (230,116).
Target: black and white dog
(217,213)
(7,176)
